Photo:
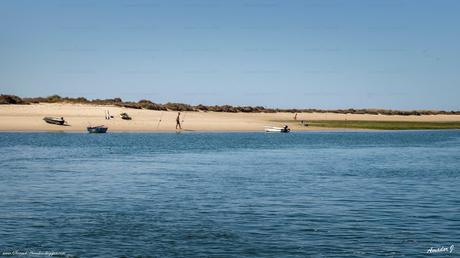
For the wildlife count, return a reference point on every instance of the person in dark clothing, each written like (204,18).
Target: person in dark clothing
(178,121)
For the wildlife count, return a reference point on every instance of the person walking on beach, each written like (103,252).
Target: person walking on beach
(295,116)
(178,121)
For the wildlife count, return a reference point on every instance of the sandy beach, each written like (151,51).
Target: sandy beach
(79,116)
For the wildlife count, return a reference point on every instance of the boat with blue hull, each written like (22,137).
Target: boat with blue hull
(97,129)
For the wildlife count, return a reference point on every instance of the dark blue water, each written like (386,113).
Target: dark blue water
(352,194)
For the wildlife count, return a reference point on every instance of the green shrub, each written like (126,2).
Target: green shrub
(11,99)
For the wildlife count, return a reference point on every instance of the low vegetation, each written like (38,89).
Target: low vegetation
(11,99)
(384,125)
(147,104)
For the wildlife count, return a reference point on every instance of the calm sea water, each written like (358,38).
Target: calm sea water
(355,194)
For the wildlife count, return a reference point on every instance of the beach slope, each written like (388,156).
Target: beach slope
(79,116)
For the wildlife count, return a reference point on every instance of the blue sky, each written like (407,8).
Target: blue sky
(305,54)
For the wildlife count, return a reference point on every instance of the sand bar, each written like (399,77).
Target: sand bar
(79,116)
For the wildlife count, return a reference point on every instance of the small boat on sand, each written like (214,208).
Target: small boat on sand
(97,129)
(125,116)
(274,129)
(54,120)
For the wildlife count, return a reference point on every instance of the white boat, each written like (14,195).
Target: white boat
(274,129)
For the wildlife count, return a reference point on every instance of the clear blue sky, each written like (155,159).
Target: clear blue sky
(313,54)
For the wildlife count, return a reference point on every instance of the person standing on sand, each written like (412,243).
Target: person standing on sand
(107,115)
(178,121)
(295,116)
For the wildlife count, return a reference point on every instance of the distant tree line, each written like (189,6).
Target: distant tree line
(147,104)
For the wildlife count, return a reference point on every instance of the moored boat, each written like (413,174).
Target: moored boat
(54,120)
(125,116)
(97,129)
(274,129)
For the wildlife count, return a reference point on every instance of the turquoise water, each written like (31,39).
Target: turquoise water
(337,194)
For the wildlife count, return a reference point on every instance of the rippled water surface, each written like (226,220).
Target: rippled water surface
(356,194)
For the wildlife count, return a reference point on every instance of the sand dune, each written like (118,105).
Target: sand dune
(79,116)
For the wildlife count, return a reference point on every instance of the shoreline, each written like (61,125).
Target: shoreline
(234,132)
(214,131)
(29,118)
